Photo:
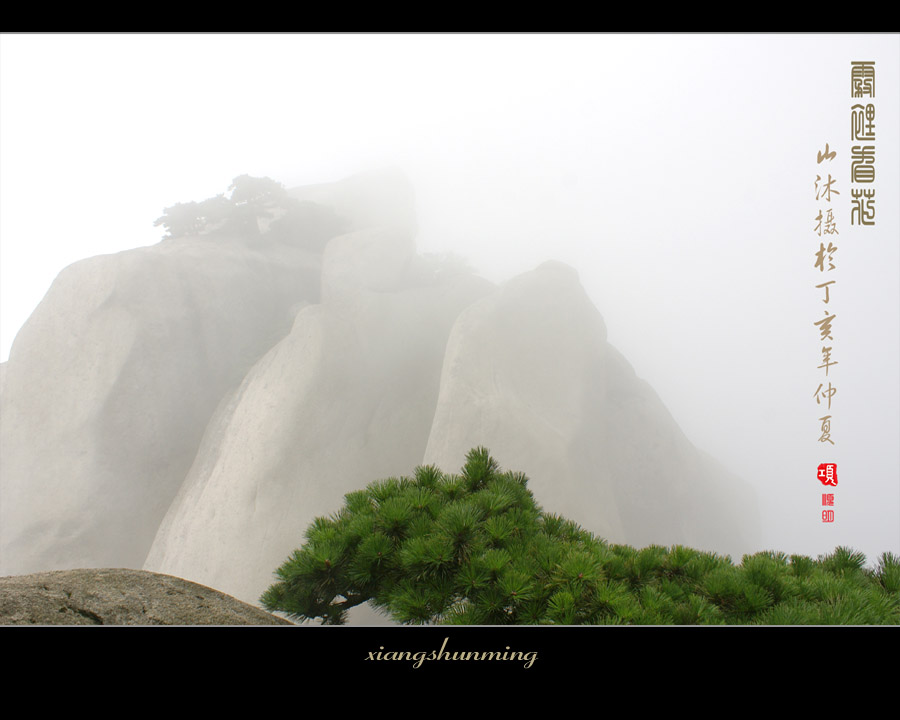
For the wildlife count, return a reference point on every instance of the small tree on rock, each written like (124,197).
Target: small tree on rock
(181,219)
(252,199)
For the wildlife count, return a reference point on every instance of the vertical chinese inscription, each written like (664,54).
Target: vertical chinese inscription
(862,153)
(824,263)
(826,229)
(862,172)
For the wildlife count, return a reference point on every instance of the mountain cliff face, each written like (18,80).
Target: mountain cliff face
(190,407)
(529,374)
(111,383)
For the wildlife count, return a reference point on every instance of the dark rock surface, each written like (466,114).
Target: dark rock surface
(120,597)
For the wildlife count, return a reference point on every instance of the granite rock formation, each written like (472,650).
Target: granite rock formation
(190,407)
(529,373)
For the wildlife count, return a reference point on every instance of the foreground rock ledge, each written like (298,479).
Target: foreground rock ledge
(120,597)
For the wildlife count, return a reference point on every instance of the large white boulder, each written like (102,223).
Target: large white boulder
(346,398)
(111,382)
(529,374)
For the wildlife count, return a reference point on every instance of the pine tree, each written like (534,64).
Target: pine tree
(181,219)
(475,548)
(252,199)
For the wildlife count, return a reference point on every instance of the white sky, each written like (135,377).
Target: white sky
(675,172)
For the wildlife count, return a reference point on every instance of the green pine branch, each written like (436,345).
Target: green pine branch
(476,548)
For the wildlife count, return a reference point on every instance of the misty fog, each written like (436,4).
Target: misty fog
(675,173)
